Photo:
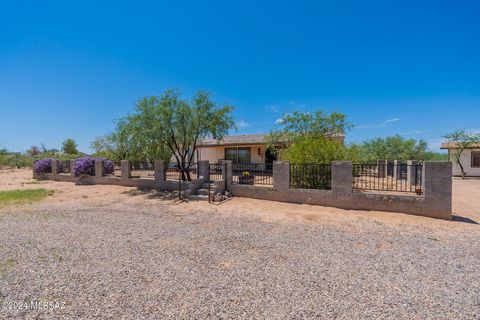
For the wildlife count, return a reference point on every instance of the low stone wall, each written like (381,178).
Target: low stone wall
(166,185)
(436,201)
(415,205)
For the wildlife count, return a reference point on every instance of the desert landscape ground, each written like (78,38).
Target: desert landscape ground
(117,252)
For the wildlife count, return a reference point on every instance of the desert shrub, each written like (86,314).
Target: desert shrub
(86,166)
(43,166)
(15,160)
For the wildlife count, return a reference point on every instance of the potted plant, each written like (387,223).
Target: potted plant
(418,190)
(246,178)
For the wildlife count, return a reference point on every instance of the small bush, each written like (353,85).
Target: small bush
(86,166)
(43,166)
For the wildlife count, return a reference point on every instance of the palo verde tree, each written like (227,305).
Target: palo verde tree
(458,141)
(179,125)
(69,146)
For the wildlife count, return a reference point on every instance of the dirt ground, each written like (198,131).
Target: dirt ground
(110,252)
(466,204)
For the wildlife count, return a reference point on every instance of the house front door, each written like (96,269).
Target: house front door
(270,156)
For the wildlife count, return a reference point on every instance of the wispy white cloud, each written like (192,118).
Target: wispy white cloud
(382,124)
(278,121)
(272,108)
(363,126)
(242,124)
(392,120)
(417,131)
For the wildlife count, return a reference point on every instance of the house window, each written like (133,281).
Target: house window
(238,155)
(231,154)
(475,159)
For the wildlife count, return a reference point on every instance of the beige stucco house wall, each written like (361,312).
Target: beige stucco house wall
(214,151)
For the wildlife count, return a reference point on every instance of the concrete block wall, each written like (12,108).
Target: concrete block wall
(436,201)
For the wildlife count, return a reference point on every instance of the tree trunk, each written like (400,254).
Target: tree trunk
(461,168)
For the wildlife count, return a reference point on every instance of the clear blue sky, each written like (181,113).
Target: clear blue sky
(406,67)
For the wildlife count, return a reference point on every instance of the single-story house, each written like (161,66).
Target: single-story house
(470,159)
(243,148)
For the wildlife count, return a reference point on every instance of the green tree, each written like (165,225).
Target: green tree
(312,149)
(179,125)
(299,124)
(69,146)
(458,141)
(435,156)
(393,148)
(117,145)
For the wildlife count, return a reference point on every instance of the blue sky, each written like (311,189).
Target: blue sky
(406,67)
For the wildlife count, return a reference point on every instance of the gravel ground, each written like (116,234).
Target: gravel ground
(136,256)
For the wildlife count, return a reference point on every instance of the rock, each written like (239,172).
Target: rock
(227,194)
(218,197)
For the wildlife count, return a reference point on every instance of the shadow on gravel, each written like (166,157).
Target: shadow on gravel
(458,218)
(153,194)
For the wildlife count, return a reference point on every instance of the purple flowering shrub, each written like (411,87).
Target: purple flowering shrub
(86,166)
(43,166)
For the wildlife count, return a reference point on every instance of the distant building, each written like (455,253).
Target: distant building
(470,159)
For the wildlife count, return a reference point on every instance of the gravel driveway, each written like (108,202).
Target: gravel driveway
(137,257)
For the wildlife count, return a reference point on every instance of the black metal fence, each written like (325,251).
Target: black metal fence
(311,176)
(142,169)
(64,166)
(252,173)
(173,172)
(216,171)
(400,177)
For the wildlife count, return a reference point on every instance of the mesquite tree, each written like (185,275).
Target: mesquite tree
(179,125)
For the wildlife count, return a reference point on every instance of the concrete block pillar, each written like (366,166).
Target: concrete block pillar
(159,168)
(342,177)
(125,169)
(281,175)
(99,168)
(227,174)
(437,187)
(204,170)
(412,171)
(55,166)
(396,169)
(33,169)
(72,164)
(382,168)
